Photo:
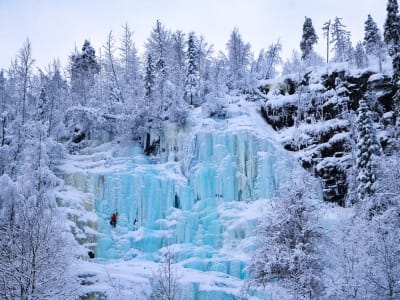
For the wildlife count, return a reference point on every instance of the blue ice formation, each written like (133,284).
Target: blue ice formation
(187,201)
(202,196)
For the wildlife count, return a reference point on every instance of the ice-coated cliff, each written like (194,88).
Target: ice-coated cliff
(200,197)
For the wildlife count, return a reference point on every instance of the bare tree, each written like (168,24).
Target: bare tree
(166,280)
(111,66)
(24,68)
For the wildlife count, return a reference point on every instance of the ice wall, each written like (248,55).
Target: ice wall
(203,194)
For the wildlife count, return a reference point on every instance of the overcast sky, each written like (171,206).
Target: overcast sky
(56,26)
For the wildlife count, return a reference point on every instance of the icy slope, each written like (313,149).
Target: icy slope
(203,195)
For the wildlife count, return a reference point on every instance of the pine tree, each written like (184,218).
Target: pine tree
(309,38)
(327,31)
(341,41)
(373,40)
(367,149)
(192,73)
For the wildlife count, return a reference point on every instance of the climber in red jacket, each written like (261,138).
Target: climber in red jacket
(114,218)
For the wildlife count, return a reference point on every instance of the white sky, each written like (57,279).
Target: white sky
(55,27)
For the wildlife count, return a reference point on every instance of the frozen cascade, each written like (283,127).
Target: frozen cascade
(202,197)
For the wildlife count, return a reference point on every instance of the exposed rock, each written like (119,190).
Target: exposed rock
(333,180)
(331,98)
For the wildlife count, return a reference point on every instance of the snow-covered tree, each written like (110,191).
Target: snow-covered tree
(373,41)
(131,78)
(360,58)
(392,28)
(59,100)
(34,259)
(83,67)
(215,83)
(192,73)
(2,91)
(290,241)
(238,58)
(340,38)
(33,248)
(24,66)
(166,279)
(178,44)
(4,111)
(268,61)
(391,36)
(308,39)
(367,149)
(158,47)
(114,90)
(327,31)
(387,187)
(345,271)
(382,233)
(149,78)
(382,256)
(293,65)
(205,63)
(364,257)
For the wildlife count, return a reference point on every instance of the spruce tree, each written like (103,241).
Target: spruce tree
(392,28)
(84,67)
(309,38)
(192,70)
(41,106)
(373,40)
(367,149)
(392,39)
(392,36)
(149,78)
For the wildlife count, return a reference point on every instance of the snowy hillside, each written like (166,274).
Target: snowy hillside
(177,171)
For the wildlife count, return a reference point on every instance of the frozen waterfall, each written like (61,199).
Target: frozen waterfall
(202,197)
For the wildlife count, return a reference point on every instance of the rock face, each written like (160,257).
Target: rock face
(316,117)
